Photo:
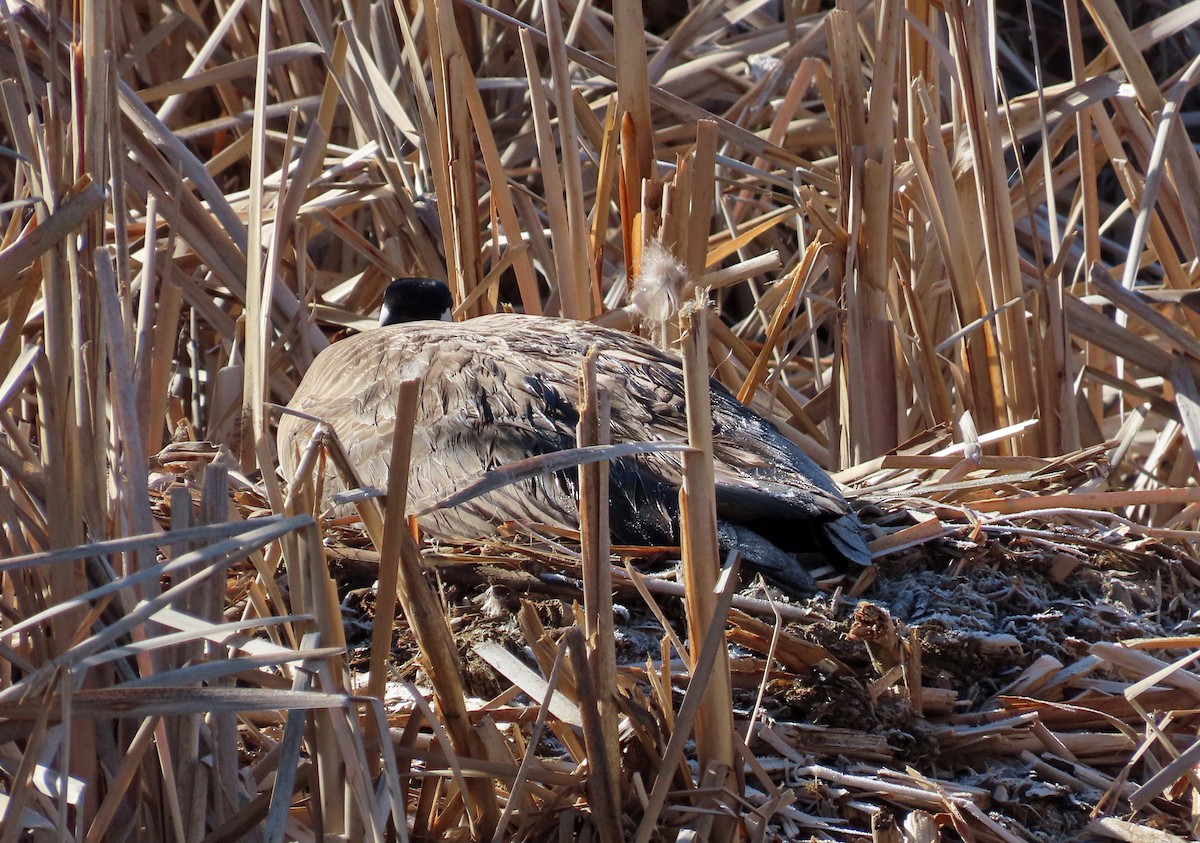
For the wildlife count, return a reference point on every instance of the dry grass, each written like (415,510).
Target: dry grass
(974,294)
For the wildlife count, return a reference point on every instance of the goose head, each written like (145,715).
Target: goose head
(415,300)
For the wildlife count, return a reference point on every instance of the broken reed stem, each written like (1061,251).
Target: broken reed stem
(633,93)
(572,304)
(464,236)
(700,200)
(394,523)
(603,782)
(629,193)
(698,538)
(593,429)
(322,604)
(430,625)
(576,286)
(593,502)
(210,600)
(866,362)
(253,424)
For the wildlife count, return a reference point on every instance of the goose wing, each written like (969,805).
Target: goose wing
(763,480)
(757,468)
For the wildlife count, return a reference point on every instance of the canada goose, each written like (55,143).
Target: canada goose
(504,387)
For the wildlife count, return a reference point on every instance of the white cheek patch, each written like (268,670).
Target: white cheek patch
(446,316)
(385,315)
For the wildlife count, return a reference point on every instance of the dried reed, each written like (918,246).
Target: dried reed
(965,281)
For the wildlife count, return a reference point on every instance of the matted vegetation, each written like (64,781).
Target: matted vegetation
(954,260)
